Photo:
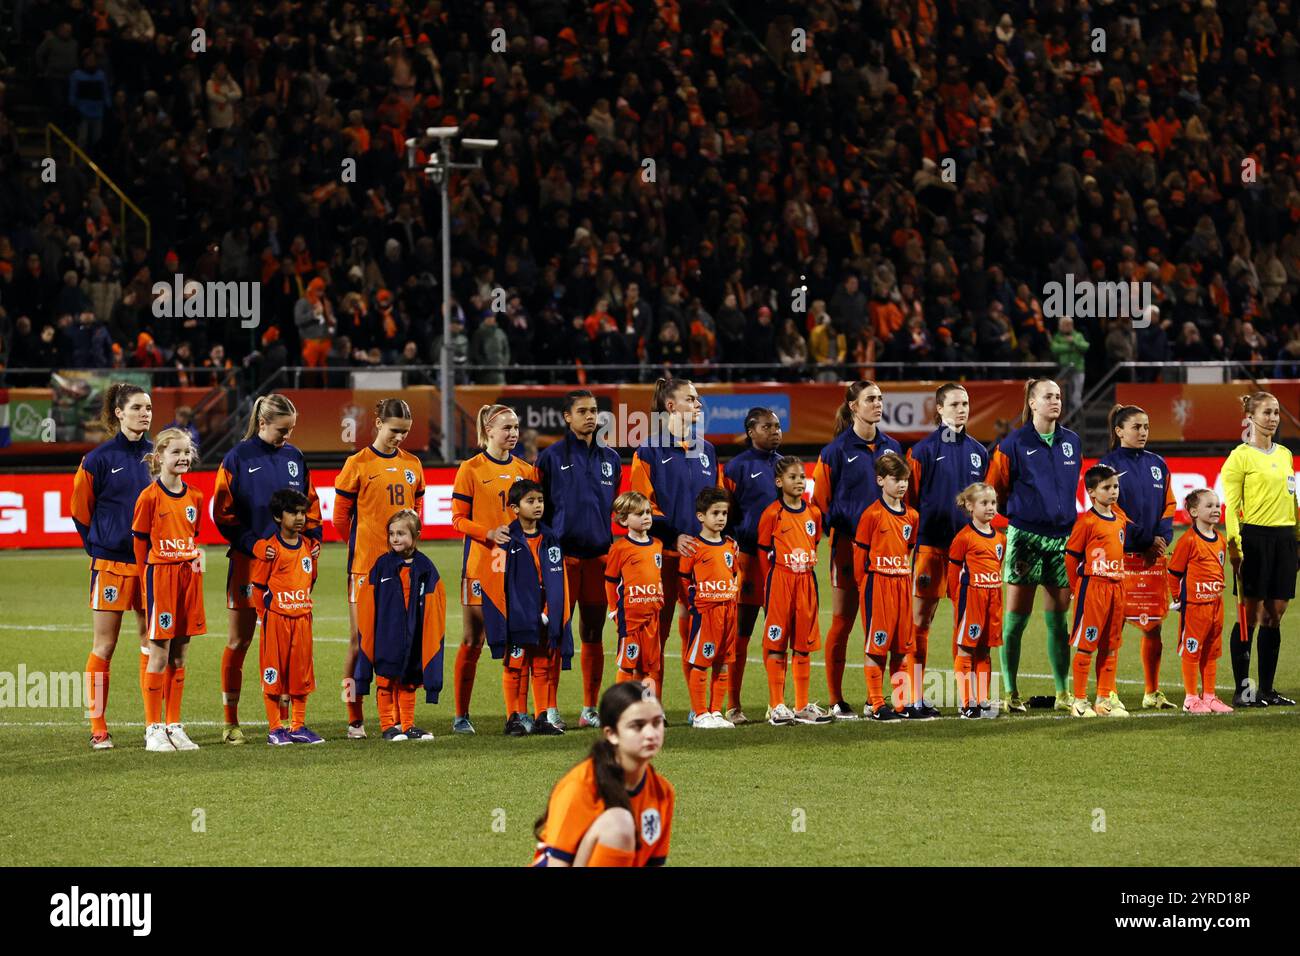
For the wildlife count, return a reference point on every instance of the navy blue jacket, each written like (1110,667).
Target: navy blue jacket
(1038,482)
(580,483)
(751,479)
(844,481)
(249,475)
(512,607)
(671,477)
(400,629)
(1144,495)
(940,471)
(105,488)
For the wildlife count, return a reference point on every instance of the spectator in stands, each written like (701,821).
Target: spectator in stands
(89,95)
(848,307)
(102,288)
(1069,346)
(56,61)
(1190,347)
(184,420)
(314,317)
(760,342)
(667,352)
(223,93)
(70,300)
(489,351)
(791,351)
(92,345)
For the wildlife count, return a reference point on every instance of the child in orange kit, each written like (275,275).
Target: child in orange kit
(788,532)
(975,584)
(1197,571)
(166,528)
(402,623)
(634,590)
(882,566)
(1094,561)
(710,577)
(285,572)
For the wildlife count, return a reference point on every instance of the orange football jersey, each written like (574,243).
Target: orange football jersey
(369,490)
(1096,545)
(712,572)
(575,804)
(169,522)
(885,539)
(478,504)
(976,558)
(1198,562)
(790,536)
(634,578)
(288,578)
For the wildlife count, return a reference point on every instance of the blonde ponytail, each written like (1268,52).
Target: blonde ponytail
(267,408)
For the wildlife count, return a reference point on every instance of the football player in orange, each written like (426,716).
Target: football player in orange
(634,590)
(250,473)
(479,511)
(285,574)
(1196,568)
(166,523)
(376,482)
(788,532)
(882,566)
(710,579)
(402,617)
(1094,560)
(975,584)
(613,809)
(104,492)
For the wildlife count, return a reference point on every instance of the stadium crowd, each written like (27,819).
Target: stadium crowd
(1163,149)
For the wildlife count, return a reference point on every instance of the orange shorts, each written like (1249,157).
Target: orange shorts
(471,592)
(842,562)
(586,578)
(886,604)
(753,578)
(114,586)
(1146,590)
(1098,616)
(930,573)
(174,601)
(712,635)
(1200,631)
(638,646)
(285,655)
(239,581)
(521,656)
(978,617)
(792,609)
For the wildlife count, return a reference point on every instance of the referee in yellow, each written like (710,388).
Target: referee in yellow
(1263,540)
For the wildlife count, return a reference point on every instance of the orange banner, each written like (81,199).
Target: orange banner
(1207,412)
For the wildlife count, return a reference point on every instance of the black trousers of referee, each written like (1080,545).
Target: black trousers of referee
(1268,570)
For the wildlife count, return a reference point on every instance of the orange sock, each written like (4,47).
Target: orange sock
(406,705)
(97,692)
(510,689)
(466,668)
(1151,662)
(299,711)
(554,666)
(802,668)
(775,664)
(602,855)
(356,715)
(144,669)
(697,684)
(1106,677)
(540,665)
(153,695)
(1082,664)
(718,688)
(525,673)
(983,676)
(900,682)
(737,673)
(593,672)
(386,701)
(232,681)
(684,631)
(1209,674)
(875,671)
(837,645)
(1191,673)
(175,684)
(273,720)
(167,686)
(962,666)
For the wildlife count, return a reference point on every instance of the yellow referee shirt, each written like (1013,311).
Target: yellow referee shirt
(1259,489)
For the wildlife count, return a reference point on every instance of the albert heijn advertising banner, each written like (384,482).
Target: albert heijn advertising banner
(35,508)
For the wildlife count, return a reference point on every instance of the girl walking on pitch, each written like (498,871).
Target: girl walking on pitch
(1196,569)
(975,585)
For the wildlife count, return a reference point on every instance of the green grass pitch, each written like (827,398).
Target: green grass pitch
(1157,789)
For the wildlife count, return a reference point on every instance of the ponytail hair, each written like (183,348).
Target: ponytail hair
(941,395)
(267,408)
(844,414)
(665,389)
(972,493)
(392,408)
(1026,416)
(165,438)
(1252,401)
(483,421)
(116,397)
(1118,418)
(610,788)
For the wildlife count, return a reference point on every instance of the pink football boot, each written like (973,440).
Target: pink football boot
(1214,705)
(1195,705)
